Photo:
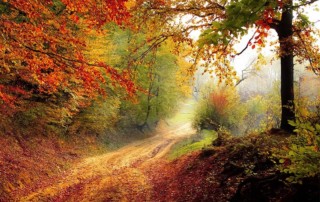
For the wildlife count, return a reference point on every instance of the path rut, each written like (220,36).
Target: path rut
(115,176)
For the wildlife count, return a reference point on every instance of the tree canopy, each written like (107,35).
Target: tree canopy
(44,45)
(223,25)
(42,48)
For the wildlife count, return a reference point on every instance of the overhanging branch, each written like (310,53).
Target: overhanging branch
(304,4)
(247,45)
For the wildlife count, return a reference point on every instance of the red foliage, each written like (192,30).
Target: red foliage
(220,101)
(263,25)
(280,3)
(42,47)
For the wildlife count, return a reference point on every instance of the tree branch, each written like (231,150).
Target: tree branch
(156,41)
(243,72)
(307,55)
(304,4)
(247,45)
(54,55)
(275,24)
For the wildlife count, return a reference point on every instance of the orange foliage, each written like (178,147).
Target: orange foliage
(220,101)
(42,44)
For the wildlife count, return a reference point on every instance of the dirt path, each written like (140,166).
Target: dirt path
(115,176)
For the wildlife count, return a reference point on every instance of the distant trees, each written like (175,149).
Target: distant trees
(220,108)
(45,54)
(224,23)
(292,36)
(53,73)
(157,74)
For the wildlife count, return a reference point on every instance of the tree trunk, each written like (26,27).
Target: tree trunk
(285,33)
(157,97)
(148,103)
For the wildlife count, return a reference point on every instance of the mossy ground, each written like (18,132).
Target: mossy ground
(197,142)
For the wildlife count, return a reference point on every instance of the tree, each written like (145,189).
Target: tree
(263,15)
(158,73)
(225,23)
(42,48)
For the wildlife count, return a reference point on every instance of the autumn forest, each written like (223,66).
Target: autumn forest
(154,100)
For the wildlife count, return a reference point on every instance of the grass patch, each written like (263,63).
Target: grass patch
(194,143)
(185,114)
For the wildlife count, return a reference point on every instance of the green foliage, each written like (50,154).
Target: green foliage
(256,111)
(264,112)
(97,119)
(198,142)
(184,115)
(273,106)
(57,6)
(155,74)
(302,158)
(47,115)
(219,107)
(303,20)
(4,8)
(301,162)
(240,15)
(49,119)
(222,108)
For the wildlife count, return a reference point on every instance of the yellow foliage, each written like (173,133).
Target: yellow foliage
(261,61)
(99,49)
(130,4)
(183,78)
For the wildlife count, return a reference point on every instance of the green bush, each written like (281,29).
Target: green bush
(197,142)
(49,118)
(302,158)
(97,119)
(220,108)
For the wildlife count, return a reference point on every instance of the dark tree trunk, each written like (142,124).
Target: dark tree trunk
(285,33)
(148,103)
(157,97)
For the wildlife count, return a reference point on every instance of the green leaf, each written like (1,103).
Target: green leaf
(291,153)
(318,128)
(292,123)
(216,25)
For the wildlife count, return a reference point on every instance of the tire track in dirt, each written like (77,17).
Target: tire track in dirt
(115,176)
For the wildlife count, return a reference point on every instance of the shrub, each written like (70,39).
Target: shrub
(220,108)
(302,158)
(97,119)
(256,113)
(194,143)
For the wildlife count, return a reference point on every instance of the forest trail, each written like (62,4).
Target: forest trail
(120,175)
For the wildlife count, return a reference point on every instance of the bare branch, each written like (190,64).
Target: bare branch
(247,45)
(156,41)
(304,4)
(244,71)
(152,47)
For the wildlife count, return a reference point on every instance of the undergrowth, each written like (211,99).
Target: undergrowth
(194,143)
